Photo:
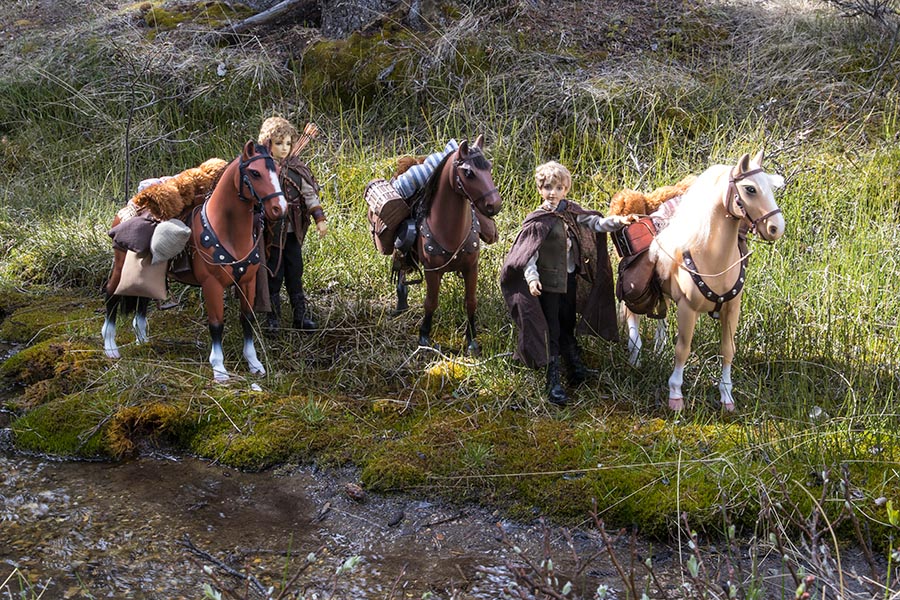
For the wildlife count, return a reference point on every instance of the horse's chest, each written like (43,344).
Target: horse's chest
(713,288)
(469,245)
(219,255)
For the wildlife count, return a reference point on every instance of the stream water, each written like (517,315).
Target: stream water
(162,527)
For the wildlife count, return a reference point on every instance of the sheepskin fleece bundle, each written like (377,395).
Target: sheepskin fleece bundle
(632,202)
(169,198)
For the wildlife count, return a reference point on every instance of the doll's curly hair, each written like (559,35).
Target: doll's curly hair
(552,171)
(276,128)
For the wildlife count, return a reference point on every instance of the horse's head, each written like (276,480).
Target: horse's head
(751,197)
(258,181)
(472,175)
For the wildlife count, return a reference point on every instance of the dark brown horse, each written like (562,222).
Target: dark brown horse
(224,251)
(449,230)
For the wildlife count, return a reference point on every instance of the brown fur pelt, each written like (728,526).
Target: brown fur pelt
(405,163)
(632,202)
(168,199)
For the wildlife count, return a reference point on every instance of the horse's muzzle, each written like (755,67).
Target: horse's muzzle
(491,205)
(772,228)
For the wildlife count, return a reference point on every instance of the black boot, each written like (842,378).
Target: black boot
(273,317)
(576,372)
(555,392)
(301,315)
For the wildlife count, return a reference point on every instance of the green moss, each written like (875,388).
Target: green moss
(209,14)
(359,68)
(52,315)
(67,426)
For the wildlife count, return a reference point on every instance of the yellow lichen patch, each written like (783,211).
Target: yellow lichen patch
(131,425)
(445,374)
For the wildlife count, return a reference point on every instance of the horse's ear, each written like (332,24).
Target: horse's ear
(743,165)
(479,141)
(464,148)
(249,149)
(758,158)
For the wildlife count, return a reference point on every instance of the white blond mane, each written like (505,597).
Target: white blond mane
(690,225)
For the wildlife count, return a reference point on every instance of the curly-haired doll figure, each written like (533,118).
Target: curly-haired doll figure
(558,267)
(284,239)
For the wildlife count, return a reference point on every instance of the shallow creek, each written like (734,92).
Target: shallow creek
(146,527)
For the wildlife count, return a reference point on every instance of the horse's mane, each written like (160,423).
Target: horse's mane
(422,199)
(424,196)
(690,225)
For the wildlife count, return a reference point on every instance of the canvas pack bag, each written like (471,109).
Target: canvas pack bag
(387,209)
(169,238)
(140,277)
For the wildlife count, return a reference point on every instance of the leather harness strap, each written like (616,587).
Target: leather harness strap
(719,299)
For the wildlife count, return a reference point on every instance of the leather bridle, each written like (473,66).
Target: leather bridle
(245,181)
(733,198)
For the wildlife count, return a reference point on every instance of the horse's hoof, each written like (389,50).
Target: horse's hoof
(728,406)
(114,354)
(260,370)
(399,311)
(425,342)
(676,404)
(221,376)
(473,350)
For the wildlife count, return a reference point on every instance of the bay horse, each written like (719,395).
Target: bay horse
(448,232)
(701,260)
(223,250)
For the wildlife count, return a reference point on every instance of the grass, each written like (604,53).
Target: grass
(815,371)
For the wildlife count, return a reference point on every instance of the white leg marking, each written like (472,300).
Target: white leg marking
(109,339)
(660,339)
(217,360)
(634,339)
(725,389)
(256,367)
(676,399)
(140,329)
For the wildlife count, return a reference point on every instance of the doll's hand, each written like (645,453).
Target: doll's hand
(534,287)
(625,220)
(322,226)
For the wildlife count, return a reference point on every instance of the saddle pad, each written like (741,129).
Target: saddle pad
(140,277)
(635,238)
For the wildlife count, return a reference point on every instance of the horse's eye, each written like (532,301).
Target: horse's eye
(750,189)
(468,173)
(254,173)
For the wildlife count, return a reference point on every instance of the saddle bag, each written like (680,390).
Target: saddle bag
(387,209)
(635,238)
(638,286)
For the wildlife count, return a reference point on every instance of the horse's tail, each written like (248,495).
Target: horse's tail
(126,304)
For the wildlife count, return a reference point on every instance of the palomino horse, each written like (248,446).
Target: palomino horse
(448,238)
(224,251)
(701,265)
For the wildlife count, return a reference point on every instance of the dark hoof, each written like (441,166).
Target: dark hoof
(425,342)
(473,349)
(399,311)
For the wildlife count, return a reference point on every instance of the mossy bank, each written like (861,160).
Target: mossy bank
(622,105)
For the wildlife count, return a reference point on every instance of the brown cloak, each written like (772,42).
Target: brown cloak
(597,309)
